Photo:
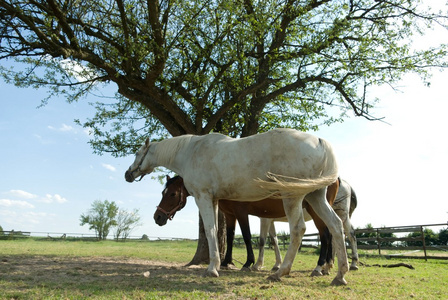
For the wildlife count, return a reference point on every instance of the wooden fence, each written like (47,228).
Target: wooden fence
(377,240)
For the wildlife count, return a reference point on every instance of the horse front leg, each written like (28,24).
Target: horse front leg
(319,204)
(294,213)
(208,209)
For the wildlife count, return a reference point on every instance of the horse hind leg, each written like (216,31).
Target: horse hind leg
(326,213)
(353,244)
(264,228)
(247,236)
(322,267)
(278,256)
(293,210)
(350,233)
(230,230)
(325,262)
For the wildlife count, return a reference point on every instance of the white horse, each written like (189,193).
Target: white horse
(344,205)
(282,162)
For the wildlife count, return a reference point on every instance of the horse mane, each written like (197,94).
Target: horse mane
(166,150)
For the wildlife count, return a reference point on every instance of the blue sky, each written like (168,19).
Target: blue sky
(50,175)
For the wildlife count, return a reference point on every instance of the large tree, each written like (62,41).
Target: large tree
(236,67)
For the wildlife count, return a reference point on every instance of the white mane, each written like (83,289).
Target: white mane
(166,150)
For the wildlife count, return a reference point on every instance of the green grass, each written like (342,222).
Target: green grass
(36,269)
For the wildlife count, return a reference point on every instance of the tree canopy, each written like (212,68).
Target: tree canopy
(100,218)
(237,67)
(126,222)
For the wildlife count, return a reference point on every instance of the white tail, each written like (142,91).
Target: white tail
(279,186)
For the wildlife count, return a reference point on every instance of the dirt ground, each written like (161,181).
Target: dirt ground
(46,270)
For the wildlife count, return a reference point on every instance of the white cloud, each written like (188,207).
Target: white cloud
(63,128)
(109,167)
(53,199)
(15,203)
(21,194)
(66,127)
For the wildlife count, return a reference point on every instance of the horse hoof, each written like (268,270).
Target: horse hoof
(274,278)
(255,268)
(338,282)
(325,272)
(353,268)
(213,273)
(245,269)
(275,269)
(316,273)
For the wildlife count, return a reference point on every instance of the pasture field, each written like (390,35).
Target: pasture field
(40,269)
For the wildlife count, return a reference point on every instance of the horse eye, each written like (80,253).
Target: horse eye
(173,194)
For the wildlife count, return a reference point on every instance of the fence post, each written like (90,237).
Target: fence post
(378,241)
(423,241)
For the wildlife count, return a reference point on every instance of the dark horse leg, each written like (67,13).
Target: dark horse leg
(230,228)
(325,261)
(243,220)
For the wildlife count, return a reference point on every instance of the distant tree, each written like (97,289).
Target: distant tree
(1,230)
(386,235)
(374,234)
(101,217)
(366,235)
(443,237)
(431,238)
(125,223)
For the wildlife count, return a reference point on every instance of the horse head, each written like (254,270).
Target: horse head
(141,165)
(174,198)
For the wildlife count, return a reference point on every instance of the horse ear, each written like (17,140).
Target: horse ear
(168,177)
(147,142)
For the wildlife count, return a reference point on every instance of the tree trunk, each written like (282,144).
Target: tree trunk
(202,255)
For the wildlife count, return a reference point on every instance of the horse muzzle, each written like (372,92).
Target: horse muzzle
(128,176)
(160,218)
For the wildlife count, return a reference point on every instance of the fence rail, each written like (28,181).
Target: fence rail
(13,234)
(377,242)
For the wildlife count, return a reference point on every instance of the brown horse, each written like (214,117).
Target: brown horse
(174,198)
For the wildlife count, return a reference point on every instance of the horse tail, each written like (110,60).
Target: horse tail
(280,186)
(353,202)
